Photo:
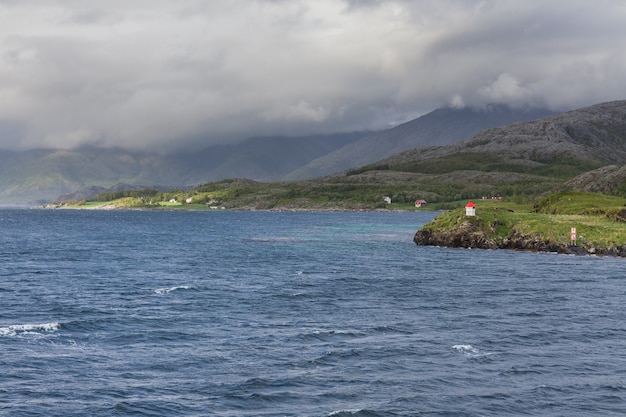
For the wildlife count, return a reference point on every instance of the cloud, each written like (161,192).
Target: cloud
(302,110)
(506,89)
(163,75)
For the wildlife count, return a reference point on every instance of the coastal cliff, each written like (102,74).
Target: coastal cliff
(497,226)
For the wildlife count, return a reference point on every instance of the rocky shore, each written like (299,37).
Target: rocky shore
(469,235)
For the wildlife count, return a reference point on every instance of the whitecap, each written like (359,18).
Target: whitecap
(346,411)
(298,294)
(466,349)
(471,352)
(170,289)
(29,329)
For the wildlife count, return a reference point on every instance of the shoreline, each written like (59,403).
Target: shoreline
(529,232)
(112,207)
(525,243)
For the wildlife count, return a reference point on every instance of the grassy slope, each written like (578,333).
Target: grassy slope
(596,218)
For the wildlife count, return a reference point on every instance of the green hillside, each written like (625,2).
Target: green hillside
(581,150)
(599,220)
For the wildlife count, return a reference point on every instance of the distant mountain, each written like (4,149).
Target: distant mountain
(591,136)
(263,158)
(45,174)
(584,149)
(440,127)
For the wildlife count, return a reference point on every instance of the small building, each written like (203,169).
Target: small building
(420,203)
(189,200)
(470,209)
(387,199)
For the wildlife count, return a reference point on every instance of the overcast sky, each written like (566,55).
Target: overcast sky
(162,74)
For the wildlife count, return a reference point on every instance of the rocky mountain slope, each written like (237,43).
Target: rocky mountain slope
(591,136)
(441,127)
(610,179)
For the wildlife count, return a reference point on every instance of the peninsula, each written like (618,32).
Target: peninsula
(578,223)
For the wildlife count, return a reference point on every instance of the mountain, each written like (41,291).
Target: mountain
(543,152)
(610,179)
(45,174)
(573,150)
(440,127)
(591,136)
(263,158)
(583,149)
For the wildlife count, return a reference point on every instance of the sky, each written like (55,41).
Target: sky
(168,75)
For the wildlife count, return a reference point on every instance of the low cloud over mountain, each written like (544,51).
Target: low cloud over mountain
(167,76)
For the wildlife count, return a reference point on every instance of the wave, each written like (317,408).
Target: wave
(471,352)
(170,289)
(350,411)
(330,335)
(298,294)
(391,329)
(466,349)
(29,329)
(357,412)
(330,358)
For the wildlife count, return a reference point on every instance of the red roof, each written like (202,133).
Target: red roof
(470,205)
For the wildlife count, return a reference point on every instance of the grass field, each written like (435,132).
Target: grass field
(551,218)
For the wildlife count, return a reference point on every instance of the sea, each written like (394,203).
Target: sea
(258,313)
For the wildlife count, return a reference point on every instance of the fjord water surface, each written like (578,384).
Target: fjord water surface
(143,313)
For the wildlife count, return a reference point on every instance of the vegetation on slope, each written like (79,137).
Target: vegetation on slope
(554,174)
(357,192)
(564,167)
(600,223)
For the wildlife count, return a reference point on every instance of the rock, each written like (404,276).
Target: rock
(468,235)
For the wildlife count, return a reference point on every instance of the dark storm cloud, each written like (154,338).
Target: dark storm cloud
(163,75)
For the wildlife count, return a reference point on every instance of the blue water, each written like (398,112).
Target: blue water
(138,313)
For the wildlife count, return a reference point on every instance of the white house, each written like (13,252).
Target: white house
(387,199)
(470,209)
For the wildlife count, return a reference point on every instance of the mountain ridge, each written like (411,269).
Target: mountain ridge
(442,126)
(583,149)
(45,174)
(595,133)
